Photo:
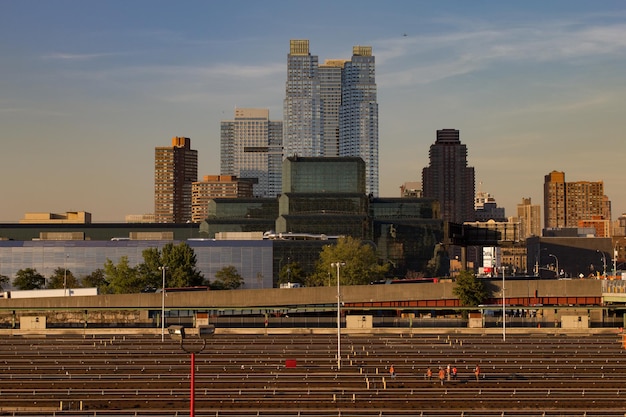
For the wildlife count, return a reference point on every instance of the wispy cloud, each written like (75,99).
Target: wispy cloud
(77,57)
(472,49)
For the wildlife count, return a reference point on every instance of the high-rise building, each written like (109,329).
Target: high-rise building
(330,93)
(251,147)
(554,200)
(331,109)
(175,169)
(575,204)
(529,219)
(302,107)
(358,115)
(449,179)
(216,186)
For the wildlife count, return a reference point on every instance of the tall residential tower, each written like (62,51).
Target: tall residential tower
(575,204)
(175,169)
(302,107)
(331,109)
(449,179)
(251,147)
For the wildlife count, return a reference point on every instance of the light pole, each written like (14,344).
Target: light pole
(615,263)
(163,269)
(338,265)
(65,276)
(603,261)
(503,308)
(558,271)
(178,333)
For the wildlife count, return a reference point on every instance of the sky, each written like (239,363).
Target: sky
(88,89)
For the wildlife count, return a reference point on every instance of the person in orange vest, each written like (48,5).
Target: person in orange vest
(477,372)
(392,371)
(454,372)
(442,375)
(429,373)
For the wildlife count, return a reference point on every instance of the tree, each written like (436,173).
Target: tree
(29,279)
(180,261)
(361,264)
(228,278)
(122,278)
(470,291)
(62,278)
(292,272)
(96,279)
(4,280)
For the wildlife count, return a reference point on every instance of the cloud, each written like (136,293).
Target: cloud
(432,57)
(77,57)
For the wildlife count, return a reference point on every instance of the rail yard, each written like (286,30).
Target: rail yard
(297,374)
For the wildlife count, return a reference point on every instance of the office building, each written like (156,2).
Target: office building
(175,169)
(323,196)
(331,109)
(216,186)
(575,204)
(449,179)
(251,147)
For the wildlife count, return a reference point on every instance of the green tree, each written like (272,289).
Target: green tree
(4,280)
(29,279)
(361,264)
(122,278)
(62,278)
(228,278)
(96,279)
(180,263)
(292,272)
(470,290)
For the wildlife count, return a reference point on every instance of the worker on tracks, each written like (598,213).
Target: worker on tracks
(477,372)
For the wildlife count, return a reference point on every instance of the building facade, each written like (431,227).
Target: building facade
(251,148)
(175,169)
(252,259)
(575,204)
(216,186)
(331,109)
(330,92)
(449,179)
(529,218)
(302,107)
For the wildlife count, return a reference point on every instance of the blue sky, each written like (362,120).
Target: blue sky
(88,89)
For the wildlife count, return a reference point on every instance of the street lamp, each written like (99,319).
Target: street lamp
(503,309)
(163,269)
(65,276)
(603,261)
(178,333)
(558,271)
(338,265)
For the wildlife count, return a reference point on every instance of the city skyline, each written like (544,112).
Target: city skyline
(89,90)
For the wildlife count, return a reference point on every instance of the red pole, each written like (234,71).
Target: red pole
(192,394)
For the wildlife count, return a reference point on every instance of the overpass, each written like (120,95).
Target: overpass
(551,298)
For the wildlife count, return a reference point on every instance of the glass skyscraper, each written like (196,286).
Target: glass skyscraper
(358,114)
(331,109)
(302,112)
